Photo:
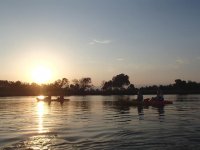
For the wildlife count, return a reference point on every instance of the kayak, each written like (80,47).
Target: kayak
(154,102)
(60,100)
(151,102)
(52,100)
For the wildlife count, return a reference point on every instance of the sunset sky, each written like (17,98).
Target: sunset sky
(152,41)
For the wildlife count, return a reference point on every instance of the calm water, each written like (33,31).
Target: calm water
(96,122)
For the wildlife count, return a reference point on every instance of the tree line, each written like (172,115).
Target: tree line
(118,85)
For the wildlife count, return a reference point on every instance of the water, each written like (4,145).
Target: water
(96,122)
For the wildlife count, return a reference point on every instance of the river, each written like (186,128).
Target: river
(96,122)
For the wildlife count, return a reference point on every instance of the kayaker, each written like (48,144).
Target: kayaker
(61,98)
(47,98)
(159,95)
(140,96)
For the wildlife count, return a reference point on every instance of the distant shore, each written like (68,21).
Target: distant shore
(101,94)
(118,85)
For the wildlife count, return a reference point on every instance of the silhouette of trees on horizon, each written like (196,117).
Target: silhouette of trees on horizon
(178,87)
(118,85)
(117,81)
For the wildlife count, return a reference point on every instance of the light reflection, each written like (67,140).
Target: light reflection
(41,110)
(40,97)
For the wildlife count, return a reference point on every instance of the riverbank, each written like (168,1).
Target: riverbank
(100,93)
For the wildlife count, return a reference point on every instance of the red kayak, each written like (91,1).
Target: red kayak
(155,102)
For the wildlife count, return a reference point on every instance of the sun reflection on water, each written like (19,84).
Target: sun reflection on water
(41,110)
(40,97)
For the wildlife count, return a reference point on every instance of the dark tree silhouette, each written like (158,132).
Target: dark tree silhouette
(121,80)
(85,83)
(180,83)
(131,87)
(57,83)
(119,85)
(62,83)
(107,85)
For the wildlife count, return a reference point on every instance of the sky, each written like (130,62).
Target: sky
(152,41)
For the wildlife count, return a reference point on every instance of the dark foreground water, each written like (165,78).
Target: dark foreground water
(96,122)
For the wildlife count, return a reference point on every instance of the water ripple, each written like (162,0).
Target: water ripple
(99,122)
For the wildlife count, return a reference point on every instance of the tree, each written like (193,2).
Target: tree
(131,87)
(107,85)
(85,83)
(61,83)
(57,83)
(4,83)
(121,80)
(180,84)
(64,83)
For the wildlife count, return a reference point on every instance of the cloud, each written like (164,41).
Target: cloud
(120,59)
(198,57)
(179,61)
(100,42)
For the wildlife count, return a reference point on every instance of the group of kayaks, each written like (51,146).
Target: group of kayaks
(151,102)
(135,102)
(47,99)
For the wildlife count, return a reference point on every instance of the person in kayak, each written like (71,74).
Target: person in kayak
(160,96)
(48,98)
(139,96)
(61,98)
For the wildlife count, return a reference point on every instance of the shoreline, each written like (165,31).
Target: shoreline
(103,94)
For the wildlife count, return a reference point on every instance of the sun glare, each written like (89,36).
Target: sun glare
(41,74)
(40,97)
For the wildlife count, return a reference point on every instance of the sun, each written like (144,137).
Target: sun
(41,74)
